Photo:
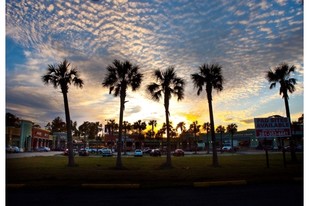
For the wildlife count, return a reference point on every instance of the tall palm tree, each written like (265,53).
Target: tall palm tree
(211,77)
(168,85)
(232,129)
(281,75)
(120,76)
(220,129)
(62,76)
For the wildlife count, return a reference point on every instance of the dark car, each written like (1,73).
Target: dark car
(179,152)
(155,152)
(83,152)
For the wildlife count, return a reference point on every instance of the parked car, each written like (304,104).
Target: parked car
(106,152)
(146,150)
(83,152)
(43,149)
(155,152)
(138,153)
(12,149)
(179,152)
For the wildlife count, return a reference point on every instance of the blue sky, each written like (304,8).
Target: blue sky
(246,38)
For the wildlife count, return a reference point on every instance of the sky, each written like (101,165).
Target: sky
(247,38)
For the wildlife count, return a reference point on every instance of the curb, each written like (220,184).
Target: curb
(111,186)
(219,183)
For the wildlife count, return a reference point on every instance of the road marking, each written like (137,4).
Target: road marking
(111,186)
(219,183)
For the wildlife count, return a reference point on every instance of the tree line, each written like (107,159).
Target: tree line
(122,75)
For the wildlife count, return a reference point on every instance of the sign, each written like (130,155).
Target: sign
(272,127)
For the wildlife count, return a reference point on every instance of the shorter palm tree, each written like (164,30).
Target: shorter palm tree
(220,129)
(232,129)
(153,124)
(281,75)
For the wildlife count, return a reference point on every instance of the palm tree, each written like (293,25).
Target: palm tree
(232,129)
(206,128)
(220,129)
(181,126)
(153,124)
(168,85)
(120,76)
(62,76)
(281,75)
(140,126)
(195,128)
(211,77)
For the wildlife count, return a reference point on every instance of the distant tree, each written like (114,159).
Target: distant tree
(153,124)
(11,120)
(211,77)
(220,129)
(90,130)
(119,77)
(281,74)
(181,126)
(168,84)
(206,128)
(232,129)
(57,125)
(139,126)
(111,127)
(194,129)
(62,76)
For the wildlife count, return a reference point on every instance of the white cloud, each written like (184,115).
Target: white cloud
(241,36)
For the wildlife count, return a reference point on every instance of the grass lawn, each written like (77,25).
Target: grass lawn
(146,170)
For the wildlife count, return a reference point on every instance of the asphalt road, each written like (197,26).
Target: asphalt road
(283,194)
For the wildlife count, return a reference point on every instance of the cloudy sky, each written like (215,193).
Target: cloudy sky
(247,38)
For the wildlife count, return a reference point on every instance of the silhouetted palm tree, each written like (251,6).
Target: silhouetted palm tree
(120,76)
(153,124)
(140,126)
(168,85)
(232,129)
(206,128)
(220,129)
(211,77)
(194,128)
(61,76)
(281,75)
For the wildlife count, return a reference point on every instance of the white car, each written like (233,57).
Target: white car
(106,152)
(138,153)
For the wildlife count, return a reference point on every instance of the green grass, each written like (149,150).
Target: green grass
(146,170)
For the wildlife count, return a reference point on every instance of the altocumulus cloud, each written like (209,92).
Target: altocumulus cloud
(245,37)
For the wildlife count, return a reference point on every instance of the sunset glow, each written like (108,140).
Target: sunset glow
(246,38)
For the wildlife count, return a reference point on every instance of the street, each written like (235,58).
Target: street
(283,194)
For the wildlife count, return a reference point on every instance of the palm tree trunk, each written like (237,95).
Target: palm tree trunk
(215,161)
(119,143)
(71,162)
(168,141)
(288,115)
